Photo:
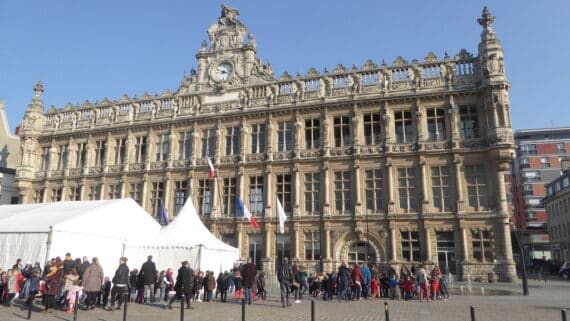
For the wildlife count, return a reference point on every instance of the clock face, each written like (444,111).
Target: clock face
(223,71)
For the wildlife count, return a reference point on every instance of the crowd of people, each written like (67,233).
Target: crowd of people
(72,283)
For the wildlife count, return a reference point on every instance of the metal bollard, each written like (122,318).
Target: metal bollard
(564,318)
(75,307)
(242,309)
(182,307)
(30,309)
(126,295)
(386,311)
(472,313)
(313,318)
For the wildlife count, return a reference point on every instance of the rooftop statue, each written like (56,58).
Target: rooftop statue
(229,17)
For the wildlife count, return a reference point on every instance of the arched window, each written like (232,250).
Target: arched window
(361,252)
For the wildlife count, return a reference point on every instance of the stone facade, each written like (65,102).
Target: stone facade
(391,164)
(9,160)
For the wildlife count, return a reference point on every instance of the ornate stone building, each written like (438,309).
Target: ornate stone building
(390,164)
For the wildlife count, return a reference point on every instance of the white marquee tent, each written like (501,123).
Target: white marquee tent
(35,232)
(185,239)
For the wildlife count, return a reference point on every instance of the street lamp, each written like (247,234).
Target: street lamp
(517,231)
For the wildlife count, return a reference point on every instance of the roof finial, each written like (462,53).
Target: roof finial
(486,21)
(38,90)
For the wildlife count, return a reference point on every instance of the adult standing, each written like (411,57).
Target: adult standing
(184,285)
(367,278)
(343,277)
(53,283)
(421,276)
(148,273)
(248,272)
(92,281)
(285,278)
(121,283)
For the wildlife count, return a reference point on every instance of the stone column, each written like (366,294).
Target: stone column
(326,188)
(390,180)
(167,191)
(269,195)
(393,240)
(425,194)
(457,161)
(296,191)
(503,229)
(464,245)
(171,147)
(357,189)
(428,245)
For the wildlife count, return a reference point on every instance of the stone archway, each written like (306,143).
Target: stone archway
(350,247)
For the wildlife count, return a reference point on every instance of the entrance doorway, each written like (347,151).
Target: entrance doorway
(361,252)
(446,252)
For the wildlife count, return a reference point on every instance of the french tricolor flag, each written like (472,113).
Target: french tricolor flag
(212,170)
(242,210)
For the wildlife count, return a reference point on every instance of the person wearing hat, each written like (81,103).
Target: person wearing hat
(184,285)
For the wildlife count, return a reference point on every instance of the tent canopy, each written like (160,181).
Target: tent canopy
(35,232)
(186,238)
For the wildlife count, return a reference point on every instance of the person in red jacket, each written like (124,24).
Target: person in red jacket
(409,286)
(357,280)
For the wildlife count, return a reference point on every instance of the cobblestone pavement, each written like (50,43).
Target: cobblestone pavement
(543,304)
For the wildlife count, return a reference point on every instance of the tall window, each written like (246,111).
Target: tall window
(232,141)
(45,159)
(436,123)
(440,187)
(120,145)
(404,127)
(312,246)
(285,136)
(204,197)
(135,192)
(229,196)
(374,184)
(184,145)
(284,191)
(476,186)
(482,246)
(312,133)
(341,126)
(342,189)
(80,155)
(94,192)
(75,193)
(140,149)
(256,195)
(256,249)
(561,148)
(209,142)
(312,188)
(114,191)
(410,246)
(282,247)
(99,153)
(407,188)
(62,157)
(156,195)
(162,147)
(372,129)
(56,194)
(469,122)
(180,195)
(39,196)
(258,138)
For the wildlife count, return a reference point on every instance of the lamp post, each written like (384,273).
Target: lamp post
(523,272)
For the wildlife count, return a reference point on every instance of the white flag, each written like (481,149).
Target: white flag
(282,216)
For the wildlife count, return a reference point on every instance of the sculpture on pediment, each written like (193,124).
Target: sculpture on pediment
(229,16)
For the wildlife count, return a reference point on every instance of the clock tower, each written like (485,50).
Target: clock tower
(230,62)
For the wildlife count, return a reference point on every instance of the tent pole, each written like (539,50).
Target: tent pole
(48,243)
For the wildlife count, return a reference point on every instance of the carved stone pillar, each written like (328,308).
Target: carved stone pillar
(390,179)
(269,195)
(387,118)
(326,187)
(167,191)
(394,231)
(453,120)
(357,189)
(296,191)
(425,193)
(428,244)
(464,242)
(325,133)
(172,151)
(298,135)
(457,161)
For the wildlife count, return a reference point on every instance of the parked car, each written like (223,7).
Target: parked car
(565,270)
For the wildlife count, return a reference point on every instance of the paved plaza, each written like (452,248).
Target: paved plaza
(543,304)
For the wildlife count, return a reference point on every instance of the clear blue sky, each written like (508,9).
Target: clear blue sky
(106,48)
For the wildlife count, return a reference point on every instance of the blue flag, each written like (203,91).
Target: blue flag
(163,216)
